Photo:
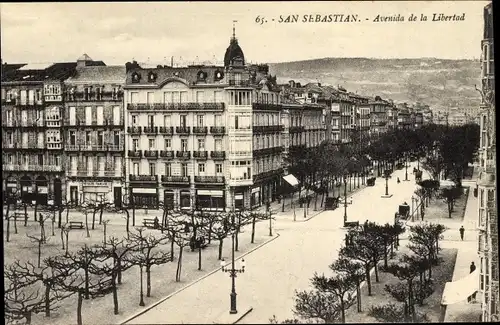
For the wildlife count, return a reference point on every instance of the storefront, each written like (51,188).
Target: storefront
(41,190)
(213,200)
(95,191)
(255,199)
(11,187)
(145,197)
(185,199)
(27,189)
(169,199)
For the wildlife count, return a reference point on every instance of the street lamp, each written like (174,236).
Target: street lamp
(387,174)
(232,274)
(268,209)
(345,199)
(406,167)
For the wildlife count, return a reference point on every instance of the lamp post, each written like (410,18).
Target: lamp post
(387,174)
(232,274)
(268,209)
(406,167)
(345,199)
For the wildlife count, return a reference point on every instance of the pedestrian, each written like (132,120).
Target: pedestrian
(462,230)
(472,297)
(156,223)
(472,267)
(399,180)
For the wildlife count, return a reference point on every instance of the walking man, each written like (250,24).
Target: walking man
(462,230)
(473,296)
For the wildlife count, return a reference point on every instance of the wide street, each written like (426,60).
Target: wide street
(276,270)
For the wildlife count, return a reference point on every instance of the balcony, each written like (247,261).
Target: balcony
(167,130)
(267,174)
(267,107)
(52,168)
(238,82)
(210,179)
(218,155)
(9,123)
(177,107)
(268,128)
(54,146)
(296,129)
(220,130)
(183,154)
(11,167)
(175,179)
(143,178)
(151,154)
(267,151)
(107,173)
(151,130)
(36,168)
(115,147)
(169,154)
(200,154)
(135,154)
(9,146)
(182,129)
(72,147)
(134,129)
(200,130)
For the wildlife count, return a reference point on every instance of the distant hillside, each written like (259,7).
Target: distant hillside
(439,83)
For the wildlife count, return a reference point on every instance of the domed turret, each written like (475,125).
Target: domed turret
(234,54)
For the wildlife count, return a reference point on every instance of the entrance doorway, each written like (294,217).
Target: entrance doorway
(117,196)
(73,194)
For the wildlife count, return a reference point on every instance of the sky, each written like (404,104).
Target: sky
(193,32)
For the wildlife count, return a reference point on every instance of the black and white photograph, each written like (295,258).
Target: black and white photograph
(227,162)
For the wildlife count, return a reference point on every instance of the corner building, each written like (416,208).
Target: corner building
(93,132)
(190,134)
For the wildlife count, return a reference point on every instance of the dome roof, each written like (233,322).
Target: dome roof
(233,52)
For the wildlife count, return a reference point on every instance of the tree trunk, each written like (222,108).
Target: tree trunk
(35,211)
(53,225)
(27,315)
(93,219)
(87,280)
(100,214)
(375,263)
(199,258)
(127,225)
(15,224)
(450,209)
(104,235)
(25,215)
(62,238)
(67,243)
(115,293)
(385,254)
(368,280)
(179,263)
(172,246)
(253,228)
(221,241)
(59,220)
(358,295)
(119,267)
(87,226)
(47,300)
(7,235)
(39,252)
(342,310)
(210,224)
(79,308)
(67,214)
(148,278)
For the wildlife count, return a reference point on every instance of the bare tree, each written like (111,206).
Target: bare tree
(105,225)
(220,231)
(145,254)
(181,238)
(43,218)
(40,241)
(352,269)
(84,259)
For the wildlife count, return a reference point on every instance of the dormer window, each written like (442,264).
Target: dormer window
(136,77)
(218,75)
(202,76)
(176,74)
(86,93)
(152,76)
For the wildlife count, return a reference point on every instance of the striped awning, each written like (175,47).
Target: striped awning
(292,180)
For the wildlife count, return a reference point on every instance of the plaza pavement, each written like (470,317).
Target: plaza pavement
(276,270)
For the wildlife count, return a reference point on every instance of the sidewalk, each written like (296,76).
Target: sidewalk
(467,253)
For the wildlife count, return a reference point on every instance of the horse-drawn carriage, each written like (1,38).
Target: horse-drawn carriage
(418,174)
(370,181)
(403,212)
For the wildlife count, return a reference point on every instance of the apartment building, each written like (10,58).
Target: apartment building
(487,214)
(379,116)
(94,132)
(360,118)
(32,111)
(191,131)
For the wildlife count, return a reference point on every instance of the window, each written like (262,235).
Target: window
(25,159)
(72,138)
(100,115)
(183,119)
(88,138)
(184,144)
(201,167)
(40,160)
(236,122)
(100,138)
(135,120)
(136,169)
(135,144)
(114,94)
(184,169)
(98,93)
(86,93)
(218,168)
(168,169)
(166,120)
(152,144)
(10,158)
(151,121)
(218,120)
(57,160)
(168,143)
(201,144)
(218,144)
(151,97)
(200,120)
(152,169)
(134,97)
(199,97)
(116,138)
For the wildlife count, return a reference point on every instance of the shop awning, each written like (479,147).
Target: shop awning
(458,291)
(446,183)
(290,179)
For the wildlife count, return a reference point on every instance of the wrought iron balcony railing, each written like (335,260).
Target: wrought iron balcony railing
(151,154)
(183,154)
(200,154)
(167,154)
(175,179)
(166,130)
(191,106)
(151,130)
(217,130)
(182,129)
(210,179)
(135,154)
(200,130)
(216,155)
(143,178)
